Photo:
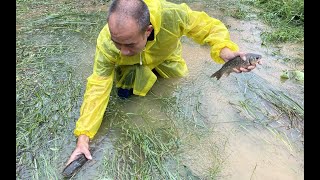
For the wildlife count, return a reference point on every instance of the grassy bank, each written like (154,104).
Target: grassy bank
(286,17)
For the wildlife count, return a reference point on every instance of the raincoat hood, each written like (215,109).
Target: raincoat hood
(155,16)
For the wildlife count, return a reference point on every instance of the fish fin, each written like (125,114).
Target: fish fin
(217,75)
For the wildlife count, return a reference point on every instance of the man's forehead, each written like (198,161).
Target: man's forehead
(118,26)
(125,37)
(122,21)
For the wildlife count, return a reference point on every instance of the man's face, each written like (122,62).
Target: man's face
(127,36)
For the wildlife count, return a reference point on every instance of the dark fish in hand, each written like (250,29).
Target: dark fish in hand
(74,166)
(237,62)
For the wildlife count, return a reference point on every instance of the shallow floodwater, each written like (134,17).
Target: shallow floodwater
(215,131)
(248,150)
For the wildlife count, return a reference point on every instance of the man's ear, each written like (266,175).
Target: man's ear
(149,30)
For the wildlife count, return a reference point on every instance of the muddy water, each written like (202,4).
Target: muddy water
(247,150)
(235,146)
(250,151)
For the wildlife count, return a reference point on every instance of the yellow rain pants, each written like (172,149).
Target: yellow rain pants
(170,22)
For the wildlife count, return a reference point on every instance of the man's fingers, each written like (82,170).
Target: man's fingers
(247,68)
(88,155)
(244,69)
(251,67)
(236,70)
(75,155)
(72,158)
(243,56)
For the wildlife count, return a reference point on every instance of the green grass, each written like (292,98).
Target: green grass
(284,34)
(46,102)
(275,104)
(286,17)
(265,105)
(141,154)
(146,146)
(48,91)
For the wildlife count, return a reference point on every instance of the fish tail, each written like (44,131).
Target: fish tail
(217,74)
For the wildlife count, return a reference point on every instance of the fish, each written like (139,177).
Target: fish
(74,166)
(237,62)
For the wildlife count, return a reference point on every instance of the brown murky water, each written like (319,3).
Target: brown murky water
(244,149)
(248,151)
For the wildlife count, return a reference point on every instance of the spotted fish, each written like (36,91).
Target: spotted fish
(236,62)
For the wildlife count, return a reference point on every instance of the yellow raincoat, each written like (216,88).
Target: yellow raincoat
(170,22)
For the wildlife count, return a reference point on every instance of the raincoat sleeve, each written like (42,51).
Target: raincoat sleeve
(97,94)
(204,29)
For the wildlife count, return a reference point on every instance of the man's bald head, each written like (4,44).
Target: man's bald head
(124,10)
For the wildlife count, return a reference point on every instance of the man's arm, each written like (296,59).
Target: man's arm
(204,29)
(94,105)
(96,96)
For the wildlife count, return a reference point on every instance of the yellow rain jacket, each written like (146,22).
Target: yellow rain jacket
(163,53)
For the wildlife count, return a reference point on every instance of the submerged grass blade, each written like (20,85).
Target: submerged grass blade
(142,152)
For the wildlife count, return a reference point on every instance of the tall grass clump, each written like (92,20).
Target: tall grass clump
(286,16)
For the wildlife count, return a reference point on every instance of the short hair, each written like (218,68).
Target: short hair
(137,9)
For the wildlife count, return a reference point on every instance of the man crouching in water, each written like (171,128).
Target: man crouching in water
(140,38)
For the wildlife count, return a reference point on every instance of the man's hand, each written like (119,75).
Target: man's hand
(81,148)
(226,54)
